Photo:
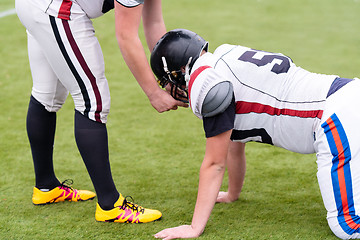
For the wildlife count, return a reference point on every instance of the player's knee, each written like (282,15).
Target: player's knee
(50,103)
(105,108)
(95,112)
(103,115)
(340,231)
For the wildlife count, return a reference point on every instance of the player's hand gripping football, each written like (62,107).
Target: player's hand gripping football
(183,231)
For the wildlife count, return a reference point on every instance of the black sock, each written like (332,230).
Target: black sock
(92,141)
(40,126)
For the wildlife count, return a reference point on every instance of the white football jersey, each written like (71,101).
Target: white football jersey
(67,9)
(276,101)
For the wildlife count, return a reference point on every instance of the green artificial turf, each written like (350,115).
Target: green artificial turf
(156,157)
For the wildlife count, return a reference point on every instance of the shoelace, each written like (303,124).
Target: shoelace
(67,183)
(131,205)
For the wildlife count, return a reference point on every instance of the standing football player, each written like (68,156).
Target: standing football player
(65,57)
(243,95)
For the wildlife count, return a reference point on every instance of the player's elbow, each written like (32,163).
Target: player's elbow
(216,166)
(126,37)
(220,167)
(123,38)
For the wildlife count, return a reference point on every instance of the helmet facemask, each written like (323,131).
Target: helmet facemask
(178,80)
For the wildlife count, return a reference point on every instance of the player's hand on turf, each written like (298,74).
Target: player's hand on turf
(163,101)
(225,197)
(183,231)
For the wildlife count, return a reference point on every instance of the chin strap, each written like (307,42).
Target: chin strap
(187,72)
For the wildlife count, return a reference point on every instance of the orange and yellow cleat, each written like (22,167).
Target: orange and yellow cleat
(126,212)
(60,194)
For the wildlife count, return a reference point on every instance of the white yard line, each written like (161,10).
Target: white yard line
(7,13)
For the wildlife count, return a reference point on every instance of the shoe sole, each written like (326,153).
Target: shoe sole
(109,221)
(48,203)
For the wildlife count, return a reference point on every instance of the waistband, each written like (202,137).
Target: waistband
(337,84)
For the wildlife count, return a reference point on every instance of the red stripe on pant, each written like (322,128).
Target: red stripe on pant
(85,68)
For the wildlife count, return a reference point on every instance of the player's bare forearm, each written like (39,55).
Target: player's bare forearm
(131,46)
(210,179)
(159,99)
(236,169)
(236,165)
(209,184)
(137,62)
(135,58)
(211,176)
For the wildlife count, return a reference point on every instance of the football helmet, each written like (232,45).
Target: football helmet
(173,57)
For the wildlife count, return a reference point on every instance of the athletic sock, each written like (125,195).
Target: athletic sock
(92,141)
(40,126)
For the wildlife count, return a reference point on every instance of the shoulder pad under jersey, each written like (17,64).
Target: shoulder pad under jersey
(217,99)
(224,48)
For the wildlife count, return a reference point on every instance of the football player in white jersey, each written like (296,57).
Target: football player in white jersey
(243,95)
(65,57)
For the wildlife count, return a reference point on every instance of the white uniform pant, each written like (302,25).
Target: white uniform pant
(65,56)
(338,157)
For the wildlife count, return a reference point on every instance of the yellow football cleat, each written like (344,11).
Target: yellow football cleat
(60,194)
(126,212)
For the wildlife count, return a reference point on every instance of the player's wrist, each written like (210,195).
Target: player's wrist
(197,230)
(153,92)
(233,195)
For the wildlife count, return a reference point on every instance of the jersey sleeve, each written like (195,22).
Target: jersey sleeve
(220,123)
(217,99)
(130,3)
(203,80)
